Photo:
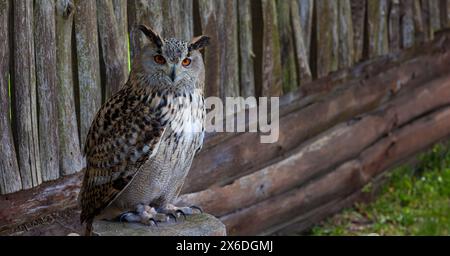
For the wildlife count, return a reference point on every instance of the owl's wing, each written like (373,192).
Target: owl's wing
(119,142)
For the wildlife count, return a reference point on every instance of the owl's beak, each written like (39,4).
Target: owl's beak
(173,73)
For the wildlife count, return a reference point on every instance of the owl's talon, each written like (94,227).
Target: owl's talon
(196,208)
(181,213)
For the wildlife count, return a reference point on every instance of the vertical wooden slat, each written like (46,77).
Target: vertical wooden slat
(407,23)
(25,105)
(327,39)
(219,20)
(187,19)
(45,49)
(419,24)
(346,48)
(271,57)
(444,13)
(431,18)
(228,37)
(86,34)
(9,169)
(246,49)
(111,42)
(394,25)
(71,160)
(288,65)
(306,9)
(378,29)
(178,19)
(303,68)
(147,12)
(435,18)
(121,13)
(359,19)
(210,26)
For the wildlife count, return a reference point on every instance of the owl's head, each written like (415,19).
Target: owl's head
(171,60)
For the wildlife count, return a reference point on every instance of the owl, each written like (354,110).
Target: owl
(142,141)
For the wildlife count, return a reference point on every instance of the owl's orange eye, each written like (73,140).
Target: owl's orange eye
(160,59)
(186,62)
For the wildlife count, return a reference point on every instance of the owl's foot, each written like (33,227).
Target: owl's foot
(147,215)
(179,211)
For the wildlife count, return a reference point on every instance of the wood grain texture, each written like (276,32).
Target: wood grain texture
(71,160)
(346,37)
(88,60)
(121,13)
(377,17)
(45,50)
(288,59)
(177,19)
(407,23)
(25,116)
(301,50)
(246,52)
(327,37)
(271,68)
(394,25)
(359,8)
(306,11)
(9,170)
(113,57)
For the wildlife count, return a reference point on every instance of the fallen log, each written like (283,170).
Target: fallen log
(347,178)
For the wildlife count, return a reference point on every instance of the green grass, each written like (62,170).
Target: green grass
(414,201)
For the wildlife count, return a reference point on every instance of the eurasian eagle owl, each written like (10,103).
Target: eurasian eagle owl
(142,141)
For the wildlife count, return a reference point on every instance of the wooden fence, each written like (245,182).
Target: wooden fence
(59,59)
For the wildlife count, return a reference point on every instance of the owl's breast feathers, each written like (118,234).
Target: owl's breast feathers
(125,133)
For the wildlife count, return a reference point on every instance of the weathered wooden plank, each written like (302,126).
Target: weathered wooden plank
(301,51)
(147,12)
(246,64)
(358,17)
(377,12)
(423,20)
(71,160)
(346,48)
(113,57)
(407,23)
(210,26)
(25,117)
(177,19)
(306,163)
(435,18)
(86,35)
(345,179)
(445,13)
(285,30)
(121,13)
(228,38)
(327,38)
(271,69)
(394,25)
(306,11)
(9,169)
(45,50)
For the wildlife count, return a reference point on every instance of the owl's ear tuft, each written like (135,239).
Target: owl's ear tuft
(199,43)
(151,35)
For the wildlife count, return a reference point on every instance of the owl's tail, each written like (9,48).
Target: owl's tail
(88,230)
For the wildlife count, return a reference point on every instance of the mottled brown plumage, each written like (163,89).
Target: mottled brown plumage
(142,141)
